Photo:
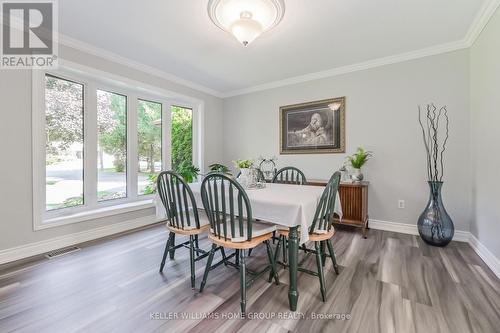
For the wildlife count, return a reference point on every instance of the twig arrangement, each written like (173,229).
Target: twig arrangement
(433,146)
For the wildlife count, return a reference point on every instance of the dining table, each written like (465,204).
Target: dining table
(286,206)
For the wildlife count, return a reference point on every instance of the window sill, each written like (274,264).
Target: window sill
(95,214)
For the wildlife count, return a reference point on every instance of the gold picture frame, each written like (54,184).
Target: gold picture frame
(313,128)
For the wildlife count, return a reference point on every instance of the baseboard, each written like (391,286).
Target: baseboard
(33,249)
(403,228)
(485,254)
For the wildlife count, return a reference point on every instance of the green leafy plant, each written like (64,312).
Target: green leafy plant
(216,167)
(358,159)
(243,164)
(151,187)
(189,173)
(182,138)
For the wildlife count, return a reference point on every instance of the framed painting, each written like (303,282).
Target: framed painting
(313,128)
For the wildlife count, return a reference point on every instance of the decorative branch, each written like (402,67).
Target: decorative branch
(425,143)
(445,140)
(430,134)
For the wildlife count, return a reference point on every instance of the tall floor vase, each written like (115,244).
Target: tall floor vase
(434,224)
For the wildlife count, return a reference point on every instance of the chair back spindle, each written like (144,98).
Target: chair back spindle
(227,206)
(178,200)
(326,206)
(290,175)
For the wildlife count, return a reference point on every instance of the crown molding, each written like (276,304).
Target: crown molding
(481,20)
(107,55)
(430,51)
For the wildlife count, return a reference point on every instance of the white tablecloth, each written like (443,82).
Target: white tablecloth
(282,204)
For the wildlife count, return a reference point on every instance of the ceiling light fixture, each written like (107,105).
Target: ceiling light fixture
(246,19)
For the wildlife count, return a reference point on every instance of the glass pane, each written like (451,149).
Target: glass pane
(182,139)
(64,143)
(111,146)
(149,145)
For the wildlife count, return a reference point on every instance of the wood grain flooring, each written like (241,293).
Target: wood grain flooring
(388,283)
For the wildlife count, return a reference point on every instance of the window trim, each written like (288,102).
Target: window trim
(128,113)
(72,209)
(164,149)
(92,80)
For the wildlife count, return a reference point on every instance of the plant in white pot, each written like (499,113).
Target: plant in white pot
(356,161)
(244,166)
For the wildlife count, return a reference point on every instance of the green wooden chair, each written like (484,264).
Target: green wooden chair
(260,178)
(290,175)
(320,232)
(183,218)
(232,226)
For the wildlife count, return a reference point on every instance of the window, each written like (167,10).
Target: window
(111,146)
(64,143)
(149,145)
(182,138)
(100,141)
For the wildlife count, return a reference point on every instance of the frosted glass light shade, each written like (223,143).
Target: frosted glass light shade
(246,30)
(246,19)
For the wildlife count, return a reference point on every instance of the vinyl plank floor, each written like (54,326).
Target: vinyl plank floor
(387,283)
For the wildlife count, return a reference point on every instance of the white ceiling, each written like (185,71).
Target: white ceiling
(176,36)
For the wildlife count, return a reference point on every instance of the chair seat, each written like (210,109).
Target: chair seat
(317,236)
(258,229)
(240,245)
(191,229)
(203,228)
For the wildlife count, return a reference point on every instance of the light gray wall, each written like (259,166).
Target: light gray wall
(16,226)
(381,115)
(485,116)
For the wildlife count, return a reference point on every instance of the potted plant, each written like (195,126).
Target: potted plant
(356,161)
(244,166)
(217,167)
(189,173)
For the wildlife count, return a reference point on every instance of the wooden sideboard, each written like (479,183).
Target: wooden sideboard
(354,199)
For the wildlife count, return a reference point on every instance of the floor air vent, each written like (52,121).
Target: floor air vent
(61,252)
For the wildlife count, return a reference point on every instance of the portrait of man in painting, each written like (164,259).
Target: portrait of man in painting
(315,127)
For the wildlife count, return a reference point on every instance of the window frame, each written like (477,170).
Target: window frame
(104,88)
(72,209)
(164,151)
(93,80)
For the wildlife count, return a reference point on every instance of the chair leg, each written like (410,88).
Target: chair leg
(319,264)
(274,272)
(197,245)
(277,251)
(243,282)
(207,268)
(237,260)
(276,254)
(323,253)
(172,251)
(250,252)
(223,254)
(285,247)
(191,259)
(165,252)
(332,255)
(274,236)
